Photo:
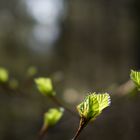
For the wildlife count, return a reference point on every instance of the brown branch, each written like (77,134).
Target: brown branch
(82,125)
(125,88)
(43,132)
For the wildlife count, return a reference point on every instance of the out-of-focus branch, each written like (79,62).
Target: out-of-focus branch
(125,88)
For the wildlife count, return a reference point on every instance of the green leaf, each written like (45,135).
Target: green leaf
(135,77)
(93,105)
(4,75)
(53,116)
(45,86)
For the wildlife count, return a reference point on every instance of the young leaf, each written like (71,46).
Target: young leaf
(135,77)
(50,119)
(53,116)
(93,105)
(90,108)
(4,75)
(45,86)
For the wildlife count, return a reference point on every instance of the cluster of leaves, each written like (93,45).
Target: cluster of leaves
(45,87)
(91,107)
(12,83)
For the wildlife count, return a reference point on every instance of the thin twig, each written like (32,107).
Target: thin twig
(82,125)
(125,88)
(43,132)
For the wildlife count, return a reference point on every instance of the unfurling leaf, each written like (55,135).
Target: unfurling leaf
(90,108)
(93,105)
(45,86)
(53,116)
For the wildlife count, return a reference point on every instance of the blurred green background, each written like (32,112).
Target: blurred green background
(84,46)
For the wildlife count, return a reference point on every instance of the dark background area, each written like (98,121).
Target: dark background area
(84,46)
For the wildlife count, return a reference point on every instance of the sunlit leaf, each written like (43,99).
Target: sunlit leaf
(93,105)
(135,77)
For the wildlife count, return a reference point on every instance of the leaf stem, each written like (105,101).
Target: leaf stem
(43,132)
(82,125)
